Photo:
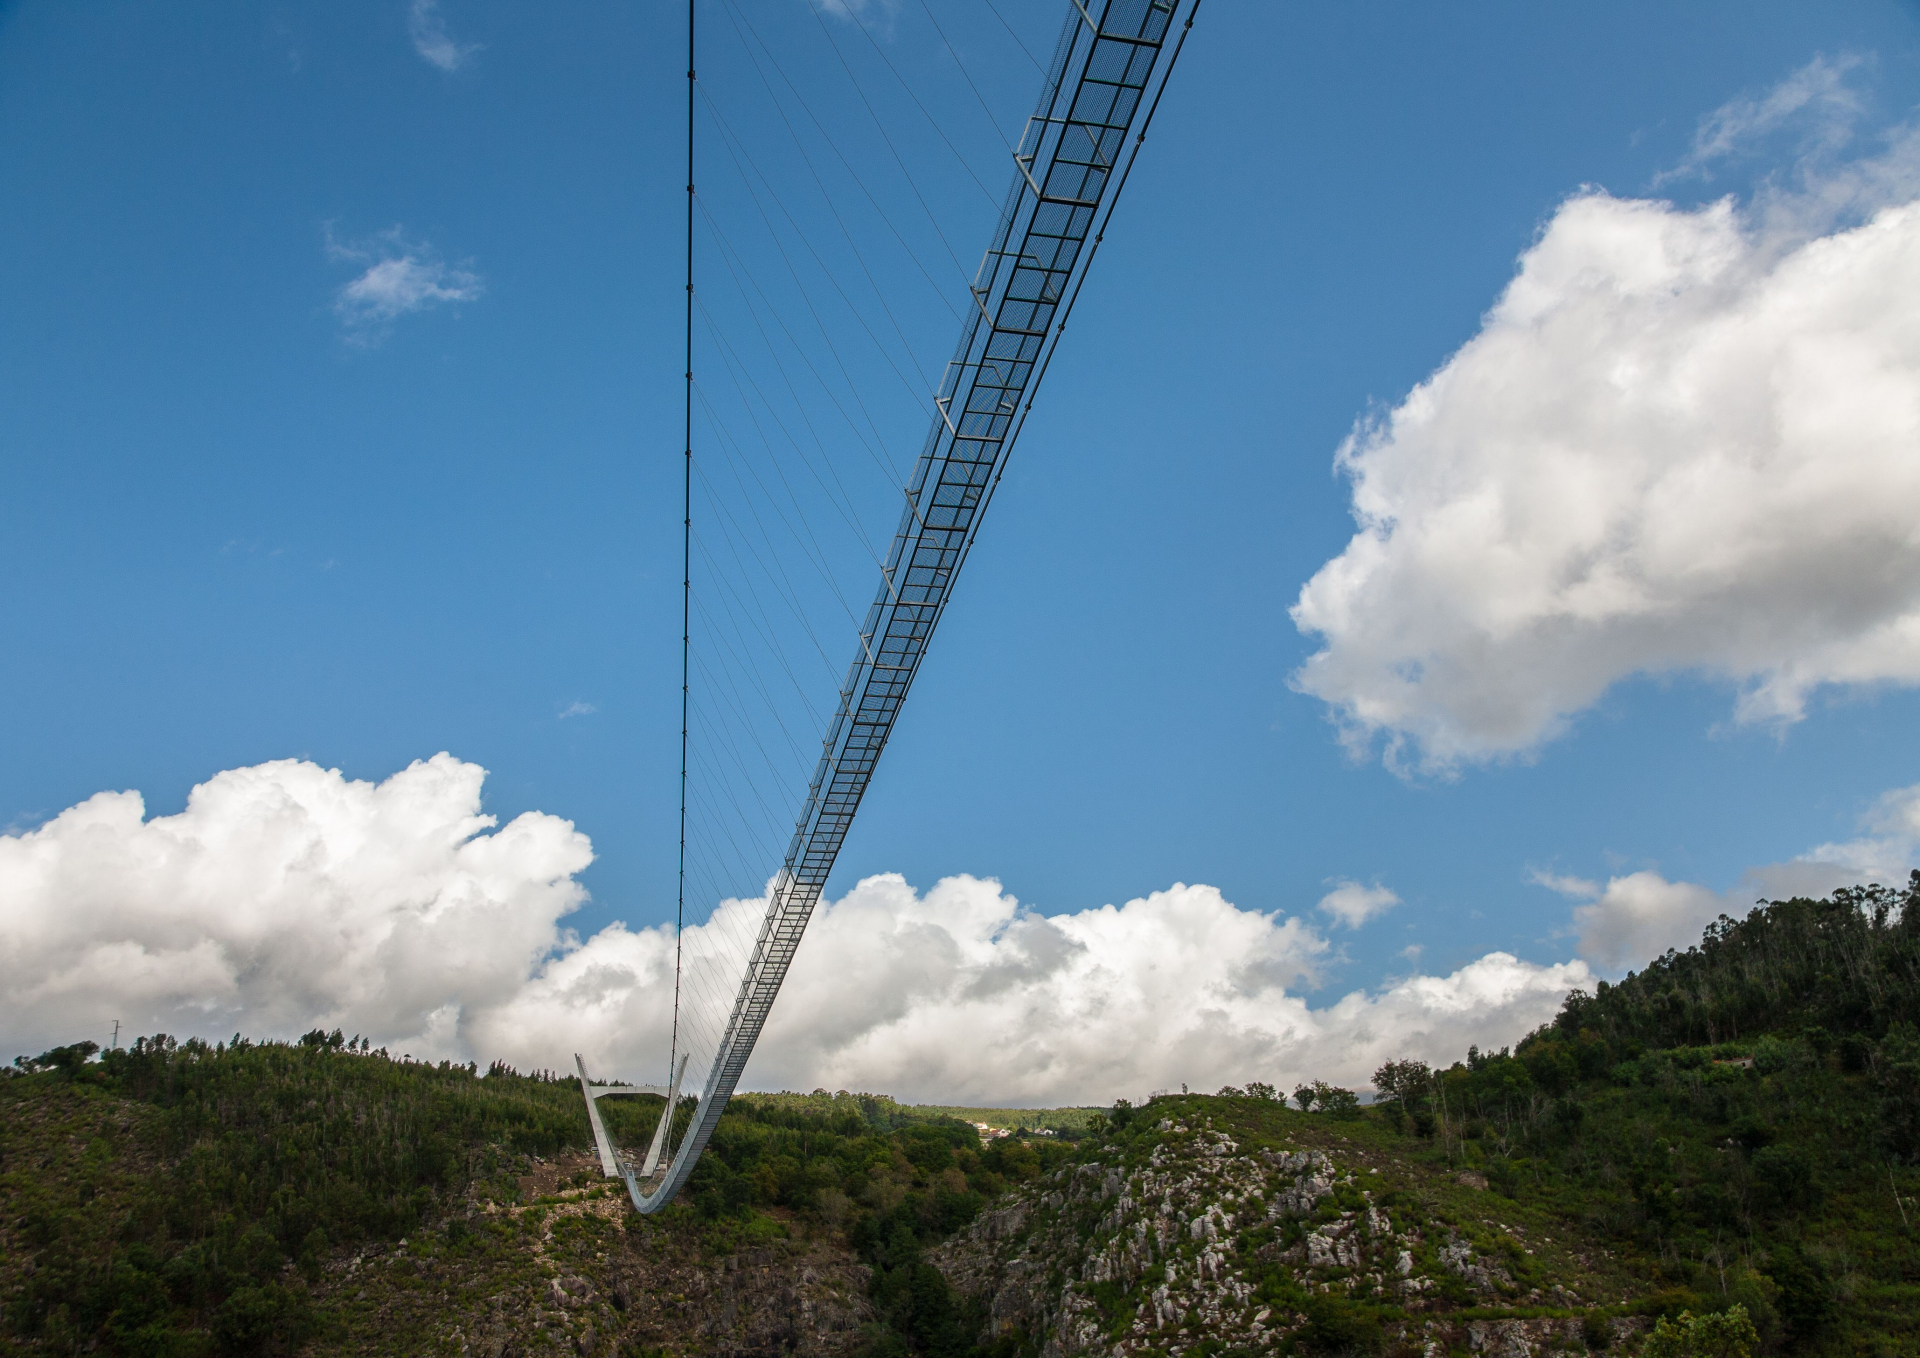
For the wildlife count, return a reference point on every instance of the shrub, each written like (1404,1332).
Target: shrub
(1335,1325)
(260,1319)
(1725,1334)
(1319,1095)
(1787,1175)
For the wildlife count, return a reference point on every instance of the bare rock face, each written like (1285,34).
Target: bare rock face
(1203,1239)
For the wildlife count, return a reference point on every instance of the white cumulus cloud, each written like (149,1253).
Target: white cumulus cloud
(1635,918)
(283,896)
(1683,441)
(959,995)
(1353,904)
(287,896)
(1631,919)
(848,9)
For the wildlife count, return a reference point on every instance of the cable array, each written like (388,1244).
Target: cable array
(825,223)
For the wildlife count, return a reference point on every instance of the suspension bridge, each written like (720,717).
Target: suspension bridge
(1070,164)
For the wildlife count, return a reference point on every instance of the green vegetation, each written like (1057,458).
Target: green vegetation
(1720,1149)
(1319,1096)
(159,1195)
(1744,1117)
(182,1198)
(1729,1334)
(1727,1139)
(894,1179)
(1535,1263)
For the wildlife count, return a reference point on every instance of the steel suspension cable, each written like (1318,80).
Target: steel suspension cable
(833,146)
(965,75)
(894,151)
(1018,41)
(686,578)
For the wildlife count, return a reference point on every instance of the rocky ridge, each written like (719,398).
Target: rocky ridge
(1193,1236)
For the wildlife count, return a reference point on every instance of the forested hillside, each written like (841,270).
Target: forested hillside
(1743,1116)
(182,1198)
(1735,1125)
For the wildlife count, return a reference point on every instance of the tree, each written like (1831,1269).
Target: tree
(69,1061)
(1339,1103)
(1897,1080)
(1403,1081)
(1724,1334)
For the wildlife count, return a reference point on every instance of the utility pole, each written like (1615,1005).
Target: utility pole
(114,1046)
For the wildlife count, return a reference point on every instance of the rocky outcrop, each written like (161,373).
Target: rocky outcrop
(1200,1238)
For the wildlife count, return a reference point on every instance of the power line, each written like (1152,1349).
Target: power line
(859,255)
(743,161)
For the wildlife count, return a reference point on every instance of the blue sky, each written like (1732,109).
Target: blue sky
(248,519)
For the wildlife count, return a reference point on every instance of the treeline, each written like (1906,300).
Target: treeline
(1798,987)
(1848,965)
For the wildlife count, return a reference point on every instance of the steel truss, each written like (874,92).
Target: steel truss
(1071,162)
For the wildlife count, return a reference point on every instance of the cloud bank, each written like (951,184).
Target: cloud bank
(1631,919)
(282,896)
(286,896)
(1682,441)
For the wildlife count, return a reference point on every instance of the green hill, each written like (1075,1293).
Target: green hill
(1735,1125)
(181,1198)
